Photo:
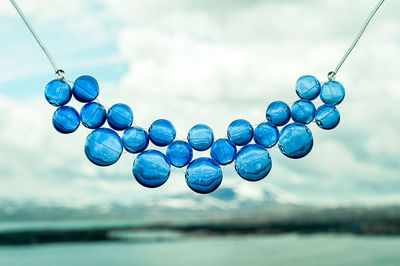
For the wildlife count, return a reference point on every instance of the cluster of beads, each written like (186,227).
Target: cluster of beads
(152,168)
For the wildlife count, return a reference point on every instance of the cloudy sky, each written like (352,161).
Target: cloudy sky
(206,62)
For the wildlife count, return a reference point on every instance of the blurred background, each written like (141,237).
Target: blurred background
(196,62)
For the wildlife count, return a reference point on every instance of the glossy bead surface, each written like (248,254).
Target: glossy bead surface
(58,92)
(327,116)
(103,147)
(135,139)
(93,115)
(266,134)
(240,132)
(303,111)
(223,151)
(332,92)
(120,116)
(253,162)
(278,113)
(179,153)
(308,87)
(200,137)
(85,89)
(151,169)
(203,175)
(162,132)
(66,119)
(295,140)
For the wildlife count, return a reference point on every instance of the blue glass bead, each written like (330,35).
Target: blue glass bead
(162,132)
(85,89)
(266,134)
(253,162)
(295,140)
(120,116)
(58,92)
(327,116)
(103,147)
(223,151)
(240,132)
(179,153)
(93,115)
(135,139)
(66,119)
(203,175)
(303,111)
(308,87)
(332,92)
(278,113)
(200,137)
(151,169)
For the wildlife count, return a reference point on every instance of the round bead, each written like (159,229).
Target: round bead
(240,132)
(162,132)
(303,111)
(66,119)
(332,92)
(327,116)
(278,113)
(200,137)
(85,89)
(103,147)
(223,151)
(151,169)
(203,175)
(253,162)
(308,87)
(266,134)
(135,139)
(295,140)
(120,116)
(179,153)
(93,115)
(58,92)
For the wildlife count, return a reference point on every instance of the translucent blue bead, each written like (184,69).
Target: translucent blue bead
(203,175)
(295,140)
(303,111)
(162,132)
(135,139)
(58,92)
(266,134)
(179,153)
(66,119)
(223,151)
(200,137)
(240,132)
(278,113)
(120,116)
(327,116)
(332,92)
(85,89)
(103,147)
(93,115)
(308,87)
(151,169)
(253,162)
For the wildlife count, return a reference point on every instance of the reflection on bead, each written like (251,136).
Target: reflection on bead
(266,134)
(203,175)
(162,132)
(200,137)
(120,116)
(93,115)
(303,111)
(240,132)
(135,139)
(66,119)
(278,113)
(179,153)
(103,147)
(151,169)
(223,151)
(58,92)
(85,89)
(327,116)
(308,87)
(253,162)
(295,140)
(332,92)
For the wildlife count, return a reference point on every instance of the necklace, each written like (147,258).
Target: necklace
(152,168)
